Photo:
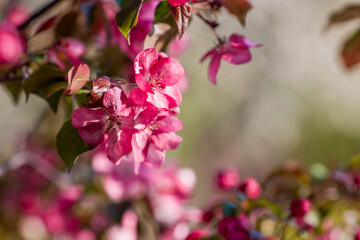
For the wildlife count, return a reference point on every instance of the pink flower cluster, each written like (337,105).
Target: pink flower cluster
(141,120)
(166,189)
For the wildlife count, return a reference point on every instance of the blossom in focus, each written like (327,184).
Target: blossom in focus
(300,207)
(235,51)
(234,228)
(157,75)
(251,188)
(12,45)
(227,179)
(113,125)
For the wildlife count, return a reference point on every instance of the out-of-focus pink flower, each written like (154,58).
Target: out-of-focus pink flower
(357,236)
(300,207)
(234,228)
(168,209)
(140,31)
(197,234)
(227,179)
(235,51)
(66,52)
(157,76)
(174,180)
(179,46)
(333,234)
(17,14)
(251,188)
(85,234)
(356,179)
(12,45)
(177,3)
(127,230)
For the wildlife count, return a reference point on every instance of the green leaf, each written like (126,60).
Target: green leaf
(127,18)
(229,209)
(162,12)
(47,82)
(70,144)
(275,208)
(14,87)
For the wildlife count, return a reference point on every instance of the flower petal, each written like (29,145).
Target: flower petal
(167,71)
(117,145)
(154,157)
(114,99)
(166,141)
(91,124)
(214,67)
(142,65)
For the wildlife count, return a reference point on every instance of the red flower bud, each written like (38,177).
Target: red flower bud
(12,45)
(300,207)
(227,179)
(197,234)
(251,188)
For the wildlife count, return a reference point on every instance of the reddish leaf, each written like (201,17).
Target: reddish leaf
(77,78)
(239,8)
(181,16)
(348,13)
(47,24)
(351,50)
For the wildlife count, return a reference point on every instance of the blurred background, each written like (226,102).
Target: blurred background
(294,100)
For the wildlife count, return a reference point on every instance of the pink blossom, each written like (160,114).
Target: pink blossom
(127,229)
(157,76)
(122,122)
(149,146)
(234,228)
(251,188)
(140,31)
(179,46)
(300,207)
(177,3)
(17,14)
(174,180)
(12,45)
(66,52)
(235,51)
(227,179)
(357,236)
(197,234)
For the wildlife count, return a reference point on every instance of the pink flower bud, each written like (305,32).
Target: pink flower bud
(357,236)
(300,207)
(227,179)
(12,45)
(251,188)
(197,234)
(234,228)
(356,179)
